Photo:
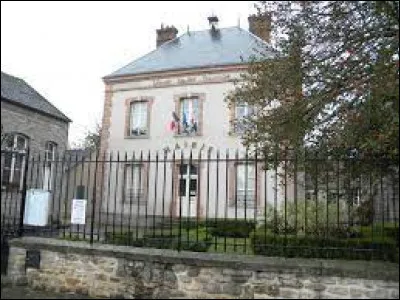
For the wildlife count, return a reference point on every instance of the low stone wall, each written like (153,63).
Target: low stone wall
(125,272)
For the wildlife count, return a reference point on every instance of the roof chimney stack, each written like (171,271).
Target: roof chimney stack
(213,21)
(260,25)
(165,34)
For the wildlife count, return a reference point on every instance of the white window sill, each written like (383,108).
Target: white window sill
(137,137)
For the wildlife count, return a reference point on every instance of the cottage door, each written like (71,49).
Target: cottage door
(188,190)
(48,165)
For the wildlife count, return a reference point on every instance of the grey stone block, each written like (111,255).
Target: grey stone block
(231,289)
(233,272)
(338,290)
(289,293)
(377,294)
(293,283)
(193,271)
(212,288)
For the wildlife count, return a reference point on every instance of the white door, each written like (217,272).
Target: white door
(48,165)
(187,190)
(47,176)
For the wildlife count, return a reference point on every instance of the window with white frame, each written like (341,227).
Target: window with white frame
(134,183)
(138,121)
(13,161)
(242,111)
(245,185)
(48,167)
(189,116)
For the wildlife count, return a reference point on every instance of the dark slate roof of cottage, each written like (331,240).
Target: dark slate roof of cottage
(199,49)
(17,91)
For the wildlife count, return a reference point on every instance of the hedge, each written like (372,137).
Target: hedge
(192,240)
(376,231)
(268,244)
(233,228)
(217,227)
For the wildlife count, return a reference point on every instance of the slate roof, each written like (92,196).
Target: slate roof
(17,91)
(198,49)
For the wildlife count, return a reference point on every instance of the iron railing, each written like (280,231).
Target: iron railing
(284,204)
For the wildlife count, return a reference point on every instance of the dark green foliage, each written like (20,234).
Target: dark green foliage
(233,228)
(336,78)
(365,213)
(312,246)
(379,231)
(191,240)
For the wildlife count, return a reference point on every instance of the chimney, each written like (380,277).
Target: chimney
(165,34)
(213,21)
(260,25)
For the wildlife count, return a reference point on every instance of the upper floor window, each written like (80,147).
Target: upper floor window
(189,116)
(242,111)
(138,121)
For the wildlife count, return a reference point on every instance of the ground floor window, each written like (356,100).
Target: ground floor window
(13,161)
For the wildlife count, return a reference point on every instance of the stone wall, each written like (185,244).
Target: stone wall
(122,272)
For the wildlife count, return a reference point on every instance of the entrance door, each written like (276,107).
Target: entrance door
(188,190)
(48,165)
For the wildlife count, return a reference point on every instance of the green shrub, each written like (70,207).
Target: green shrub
(390,230)
(193,245)
(191,240)
(268,244)
(192,224)
(307,216)
(126,238)
(233,228)
(214,222)
(73,237)
(365,213)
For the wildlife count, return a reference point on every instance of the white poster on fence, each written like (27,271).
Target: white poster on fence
(78,211)
(36,207)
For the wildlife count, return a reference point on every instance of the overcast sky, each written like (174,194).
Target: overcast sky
(63,49)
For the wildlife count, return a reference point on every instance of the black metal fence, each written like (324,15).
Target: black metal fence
(285,204)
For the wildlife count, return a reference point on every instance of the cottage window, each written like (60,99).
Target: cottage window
(13,160)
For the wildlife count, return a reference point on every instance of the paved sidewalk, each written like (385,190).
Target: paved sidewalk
(22,292)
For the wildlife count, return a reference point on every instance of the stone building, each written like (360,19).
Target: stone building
(172,101)
(29,124)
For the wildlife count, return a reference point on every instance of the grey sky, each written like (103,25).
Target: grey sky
(63,49)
